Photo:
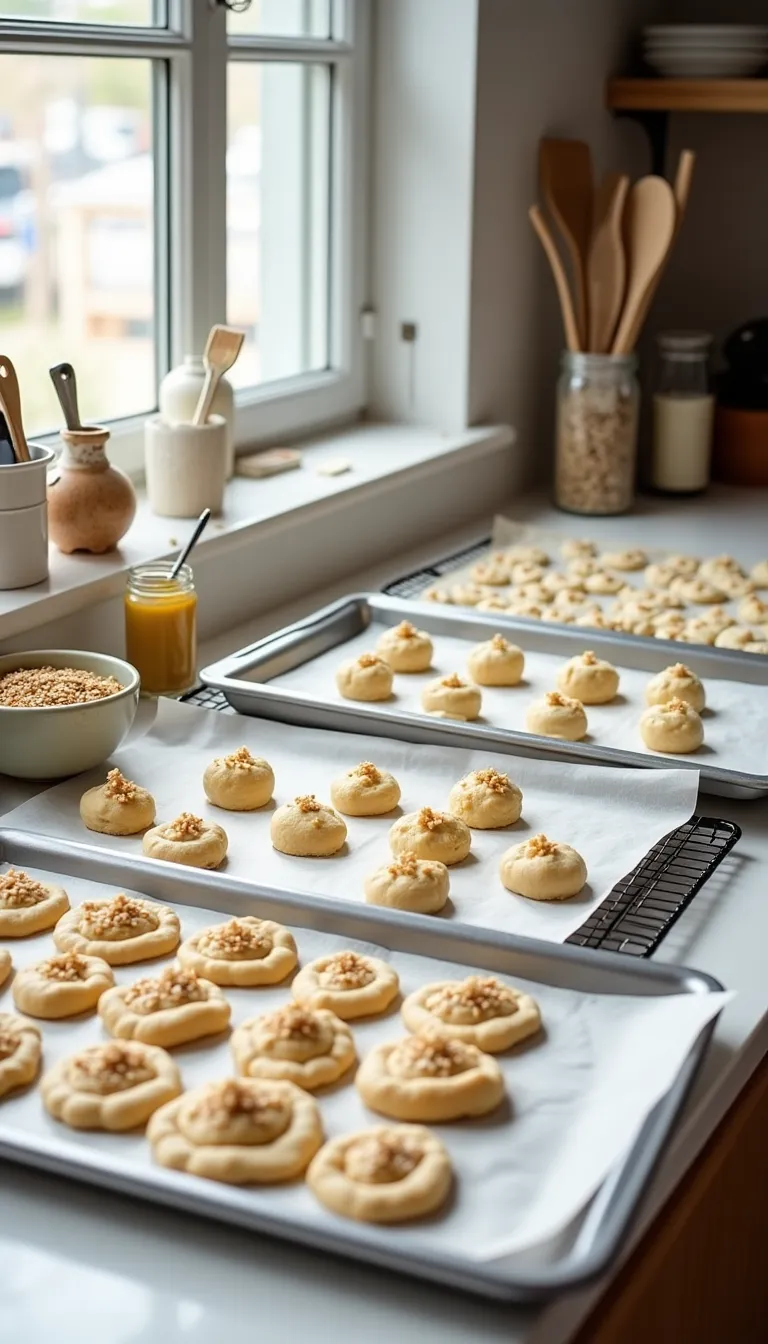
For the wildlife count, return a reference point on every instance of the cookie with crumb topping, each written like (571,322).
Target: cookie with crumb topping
(117,807)
(408,883)
(365,791)
(188,840)
(28,906)
(543,870)
(239,782)
(241,952)
(307,828)
(557,715)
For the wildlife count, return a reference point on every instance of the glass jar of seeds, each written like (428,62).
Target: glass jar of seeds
(598,402)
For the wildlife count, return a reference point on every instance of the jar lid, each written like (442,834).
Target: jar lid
(684,342)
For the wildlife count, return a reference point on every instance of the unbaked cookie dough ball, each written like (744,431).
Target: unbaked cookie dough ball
(367,677)
(525,571)
(683,564)
(753,610)
(735,637)
(496,662)
(603,582)
(187,840)
(759,574)
(589,679)
(306,828)
(716,565)
(492,573)
(698,590)
(557,579)
(669,625)
(660,574)
(674,728)
(117,807)
(624,560)
(557,715)
(543,870)
(575,549)
(365,791)
(431,835)
(677,682)
(698,631)
(582,566)
(408,883)
(239,782)
(405,648)
(759,646)
(486,800)
(453,697)
(532,555)
(495,603)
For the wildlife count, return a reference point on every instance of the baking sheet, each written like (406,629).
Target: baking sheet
(613,817)
(735,720)
(578,1096)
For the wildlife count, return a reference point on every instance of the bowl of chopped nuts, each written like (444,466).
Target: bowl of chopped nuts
(63,711)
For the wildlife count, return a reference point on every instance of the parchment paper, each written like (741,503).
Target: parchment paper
(577,1095)
(612,817)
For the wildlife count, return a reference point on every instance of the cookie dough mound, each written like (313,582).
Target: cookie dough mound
(348,984)
(698,590)
(408,883)
(557,715)
(660,574)
(28,906)
(120,930)
(365,678)
(6,965)
(594,618)
(527,571)
(525,554)
(604,582)
(494,603)
(405,648)
(627,561)
(571,601)
(582,566)
(440,595)
(62,986)
(493,572)
(753,610)
(674,728)
(241,952)
(557,579)
(117,807)
(589,679)
(431,1078)
(530,592)
(468,594)
(683,564)
(453,697)
(486,800)
(669,625)
(311,1048)
(543,870)
(20,1052)
(716,565)
(759,574)
(677,682)
(187,840)
(480,1010)
(176,1007)
(239,782)
(243,1131)
(496,662)
(735,637)
(758,646)
(715,619)
(116,1086)
(389,1174)
(574,548)
(365,791)
(306,828)
(431,835)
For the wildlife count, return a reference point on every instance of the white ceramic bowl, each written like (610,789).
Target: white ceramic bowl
(716,33)
(50,743)
(706,64)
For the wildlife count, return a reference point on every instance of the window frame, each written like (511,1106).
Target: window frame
(191,55)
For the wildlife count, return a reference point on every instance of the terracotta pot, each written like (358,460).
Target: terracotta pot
(92,504)
(740,450)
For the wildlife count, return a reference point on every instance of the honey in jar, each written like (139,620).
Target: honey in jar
(161,628)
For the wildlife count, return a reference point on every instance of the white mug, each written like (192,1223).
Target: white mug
(186,466)
(24,520)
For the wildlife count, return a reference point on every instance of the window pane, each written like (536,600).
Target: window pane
(76,232)
(141,13)
(278,182)
(282,18)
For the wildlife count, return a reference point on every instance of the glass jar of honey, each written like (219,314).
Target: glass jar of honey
(161,628)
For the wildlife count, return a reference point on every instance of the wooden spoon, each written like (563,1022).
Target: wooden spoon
(561,280)
(221,351)
(566,176)
(10,405)
(65,383)
(650,218)
(682,184)
(606,263)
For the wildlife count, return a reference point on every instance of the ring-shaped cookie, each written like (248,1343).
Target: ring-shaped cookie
(429,1078)
(115,1086)
(20,1052)
(239,782)
(309,1047)
(241,952)
(480,1010)
(117,807)
(431,835)
(61,986)
(28,906)
(121,930)
(387,1174)
(348,984)
(365,791)
(175,1007)
(188,840)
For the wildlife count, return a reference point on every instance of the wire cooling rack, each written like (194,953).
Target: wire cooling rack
(413,585)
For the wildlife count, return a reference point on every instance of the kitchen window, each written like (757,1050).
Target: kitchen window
(168,164)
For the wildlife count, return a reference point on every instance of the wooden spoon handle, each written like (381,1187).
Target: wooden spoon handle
(10,405)
(205,400)
(682,184)
(561,281)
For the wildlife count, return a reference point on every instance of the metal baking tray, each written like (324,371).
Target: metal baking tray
(244,679)
(581,1254)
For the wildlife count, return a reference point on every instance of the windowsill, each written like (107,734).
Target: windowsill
(379,456)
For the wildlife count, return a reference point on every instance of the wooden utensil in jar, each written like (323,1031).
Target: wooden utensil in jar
(10,405)
(65,383)
(567,178)
(561,280)
(221,350)
(650,219)
(606,263)
(682,184)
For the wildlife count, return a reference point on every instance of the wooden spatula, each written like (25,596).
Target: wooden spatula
(650,218)
(10,405)
(566,176)
(561,280)
(606,265)
(221,350)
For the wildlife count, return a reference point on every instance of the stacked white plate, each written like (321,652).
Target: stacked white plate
(700,51)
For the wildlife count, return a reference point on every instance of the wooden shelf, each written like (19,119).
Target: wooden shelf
(687,95)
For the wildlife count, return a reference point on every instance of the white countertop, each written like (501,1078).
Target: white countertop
(85,1265)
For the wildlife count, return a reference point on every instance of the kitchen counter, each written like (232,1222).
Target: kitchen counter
(84,1264)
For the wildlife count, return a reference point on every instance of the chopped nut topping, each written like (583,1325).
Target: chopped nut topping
(367,772)
(680,670)
(291,1023)
(539,847)
(122,917)
(172,988)
(554,698)
(589,659)
(431,1057)
(17,890)
(370,660)
(379,1159)
(453,681)
(10,1040)
(346,970)
(406,866)
(677,708)
(500,644)
(240,760)
(495,781)
(36,687)
(222,1102)
(475,999)
(110,1068)
(118,787)
(307,802)
(429,820)
(186,827)
(68,967)
(405,630)
(234,940)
